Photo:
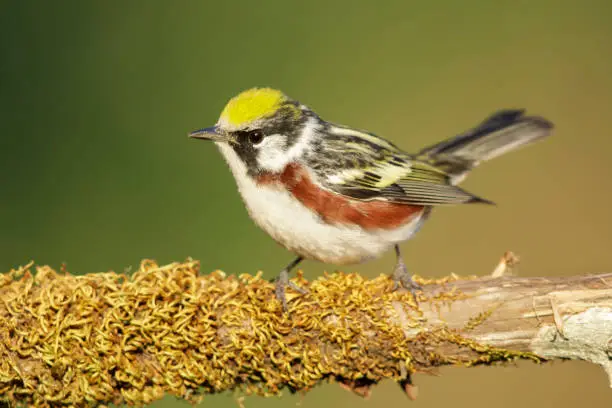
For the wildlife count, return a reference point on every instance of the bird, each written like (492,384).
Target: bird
(343,196)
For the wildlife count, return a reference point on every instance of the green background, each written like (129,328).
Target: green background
(96,99)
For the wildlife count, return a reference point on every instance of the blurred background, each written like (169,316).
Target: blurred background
(96,99)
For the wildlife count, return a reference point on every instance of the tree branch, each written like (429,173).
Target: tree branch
(109,338)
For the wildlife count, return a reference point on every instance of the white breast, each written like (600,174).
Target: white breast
(300,230)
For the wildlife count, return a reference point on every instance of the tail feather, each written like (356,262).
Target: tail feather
(500,133)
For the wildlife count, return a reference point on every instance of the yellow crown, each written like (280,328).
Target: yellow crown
(251,105)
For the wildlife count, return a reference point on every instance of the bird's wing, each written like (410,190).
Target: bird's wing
(366,167)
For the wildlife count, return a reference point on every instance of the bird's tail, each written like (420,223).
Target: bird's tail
(500,133)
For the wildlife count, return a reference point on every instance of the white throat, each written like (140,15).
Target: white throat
(237,167)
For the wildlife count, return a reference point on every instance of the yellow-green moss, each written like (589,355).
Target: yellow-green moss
(478,319)
(107,337)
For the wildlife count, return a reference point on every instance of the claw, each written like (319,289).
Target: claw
(297,288)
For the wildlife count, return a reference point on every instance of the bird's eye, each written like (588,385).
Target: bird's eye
(256,137)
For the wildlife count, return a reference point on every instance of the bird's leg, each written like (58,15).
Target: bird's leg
(282,281)
(401,276)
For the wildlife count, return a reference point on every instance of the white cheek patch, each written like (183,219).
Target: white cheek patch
(271,154)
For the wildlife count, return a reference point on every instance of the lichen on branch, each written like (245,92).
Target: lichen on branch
(112,338)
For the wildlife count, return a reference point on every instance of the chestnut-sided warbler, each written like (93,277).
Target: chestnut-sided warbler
(340,195)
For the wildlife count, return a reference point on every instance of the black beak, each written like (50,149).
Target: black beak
(211,133)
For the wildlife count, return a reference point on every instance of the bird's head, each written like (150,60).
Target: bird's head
(264,128)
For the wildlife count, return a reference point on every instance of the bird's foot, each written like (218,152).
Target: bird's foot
(281,285)
(403,279)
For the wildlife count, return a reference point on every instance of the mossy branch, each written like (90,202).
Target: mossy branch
(112,338)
